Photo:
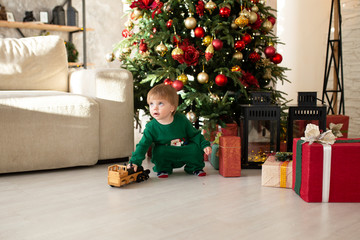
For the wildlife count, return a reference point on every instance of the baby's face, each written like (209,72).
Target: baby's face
(161,110)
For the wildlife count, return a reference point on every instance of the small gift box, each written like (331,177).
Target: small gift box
(230,156)
(275,173)
(325,170)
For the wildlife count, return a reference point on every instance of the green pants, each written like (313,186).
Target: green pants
(166,158)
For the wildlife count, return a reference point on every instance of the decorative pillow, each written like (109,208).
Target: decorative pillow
(34,63)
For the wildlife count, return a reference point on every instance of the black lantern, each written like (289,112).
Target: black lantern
(307,111)
(259,130)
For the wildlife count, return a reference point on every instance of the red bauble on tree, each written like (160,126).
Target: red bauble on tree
(176,39)
(168,81)
(239,45)
(224,12)
(217,44)
(199,32)
(254,57)
(272,20)
(169,23)
(142,46)
(277,58)
(246,38)
(178,85)
(221,80)
(269,51)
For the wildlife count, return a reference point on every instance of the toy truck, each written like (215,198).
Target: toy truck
(119,175)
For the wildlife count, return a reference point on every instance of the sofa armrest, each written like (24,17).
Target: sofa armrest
(113,90)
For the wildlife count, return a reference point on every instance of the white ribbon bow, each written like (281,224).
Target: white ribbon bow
(336,129)
(312,134)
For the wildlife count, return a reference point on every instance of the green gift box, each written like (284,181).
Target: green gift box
(214,159)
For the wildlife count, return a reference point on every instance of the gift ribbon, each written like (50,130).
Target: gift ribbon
(283,175)
(326,172)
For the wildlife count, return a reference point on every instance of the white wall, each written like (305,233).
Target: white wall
(303,26)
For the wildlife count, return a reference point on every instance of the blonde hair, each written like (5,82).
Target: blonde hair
(166,92)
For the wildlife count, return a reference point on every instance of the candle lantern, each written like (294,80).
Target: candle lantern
(259,130)
(307,111)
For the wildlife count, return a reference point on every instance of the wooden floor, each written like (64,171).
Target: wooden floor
(78,204)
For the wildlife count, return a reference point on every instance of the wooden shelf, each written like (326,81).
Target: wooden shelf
(42,26)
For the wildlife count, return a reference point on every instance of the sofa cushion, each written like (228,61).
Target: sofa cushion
(34,63)
(47,130)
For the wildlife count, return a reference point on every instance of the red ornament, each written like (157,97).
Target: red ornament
(277,58)
(176,39)
(169,23)
(239,45)
(269,51)
(255,1)
(246,38)
(248,80)
(178,85)
(142,46)
(221,80)
(254,57)
(125,33)
(168,81)
(224,12)
(272,20)
(154,30)
(199,32)
(217,44)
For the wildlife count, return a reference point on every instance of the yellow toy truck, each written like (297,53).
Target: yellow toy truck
(119,175)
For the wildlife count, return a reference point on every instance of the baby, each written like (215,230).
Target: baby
(176,143)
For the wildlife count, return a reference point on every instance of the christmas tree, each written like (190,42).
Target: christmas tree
(213,52)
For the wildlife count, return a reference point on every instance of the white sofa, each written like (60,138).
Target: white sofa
(52,119)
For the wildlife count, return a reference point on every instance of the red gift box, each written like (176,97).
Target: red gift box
(230,130)
(317,180)
(230,156)
(336,119)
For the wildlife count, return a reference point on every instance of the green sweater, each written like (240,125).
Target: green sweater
(159,134)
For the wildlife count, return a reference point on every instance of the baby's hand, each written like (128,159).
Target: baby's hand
(131,165)
(207,150)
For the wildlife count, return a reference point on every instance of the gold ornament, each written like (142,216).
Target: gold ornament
(129,24)
(137,13)
(209,52)
(233,25)
(191,116)
(183,78)
(207,40)
(190,23)
(203,77)
(177,52)
(241,21)
(126,50)
(253,17)
(267,25)
(245,13)
(161,49)
(214,97)
(210,6)
(238,55)
(236,68)
(118,54)
(110,57)
(255,8)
